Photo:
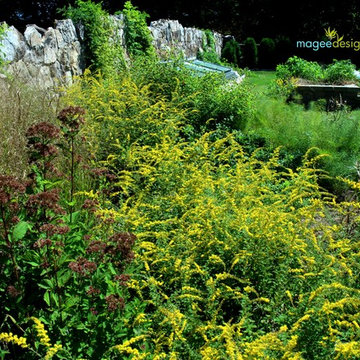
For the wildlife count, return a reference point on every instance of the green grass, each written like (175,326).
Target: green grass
(260,80)
(296,129)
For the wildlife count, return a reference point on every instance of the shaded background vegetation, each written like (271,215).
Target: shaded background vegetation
(257,18)
(261,18)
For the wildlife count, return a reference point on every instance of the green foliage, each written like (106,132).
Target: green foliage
(3,28)
(212,100)
(231,52)
(288,125)
(218,102)
(266,53)
(209,51)
(300,68)
(250,53)
(235,256)
(68,269)
(101,52)
(334,133)
(162,77)
(340,71)
(2,32)
(137,35)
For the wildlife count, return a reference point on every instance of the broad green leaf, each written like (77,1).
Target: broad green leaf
(63,277)
(47,298)
(71,301)
(70,203)
(55,297)
(20,230)
(32,263)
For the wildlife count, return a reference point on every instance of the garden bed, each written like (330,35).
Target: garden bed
(348,94)
(336,82)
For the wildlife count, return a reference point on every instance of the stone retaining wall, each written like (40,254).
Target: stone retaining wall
(170,34)
(43,57)
(46,56)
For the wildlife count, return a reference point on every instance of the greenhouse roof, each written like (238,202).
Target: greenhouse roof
(203,67)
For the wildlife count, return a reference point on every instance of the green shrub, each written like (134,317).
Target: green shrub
(216,101)
(283,72)
(336,73)
(250,53)
(300,68)
(101,53)
(283,47)
(231,52)
(212,99)
(340,71)
(266,53)
(137,35)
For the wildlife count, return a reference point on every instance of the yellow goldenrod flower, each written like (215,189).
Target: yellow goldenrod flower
(301,320)
(125,347)
(13,339)
(52,351)
(41,332)
(348,350)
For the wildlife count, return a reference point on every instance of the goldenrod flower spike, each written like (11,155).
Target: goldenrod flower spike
(41,332)
(52,351)
(45,340)
(13,339)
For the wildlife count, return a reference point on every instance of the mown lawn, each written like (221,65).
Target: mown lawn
(260,79)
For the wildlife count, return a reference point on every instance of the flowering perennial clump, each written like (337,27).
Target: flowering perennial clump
(46,200)
(72,117)
(234,250)
(82,266)
(61,260)
(40,138)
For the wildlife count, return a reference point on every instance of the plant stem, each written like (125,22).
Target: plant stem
(8,242)
(72,178)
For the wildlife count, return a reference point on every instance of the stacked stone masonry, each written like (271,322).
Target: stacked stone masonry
(47,57)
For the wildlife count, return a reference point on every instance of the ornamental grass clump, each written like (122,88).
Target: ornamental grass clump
(21,106)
